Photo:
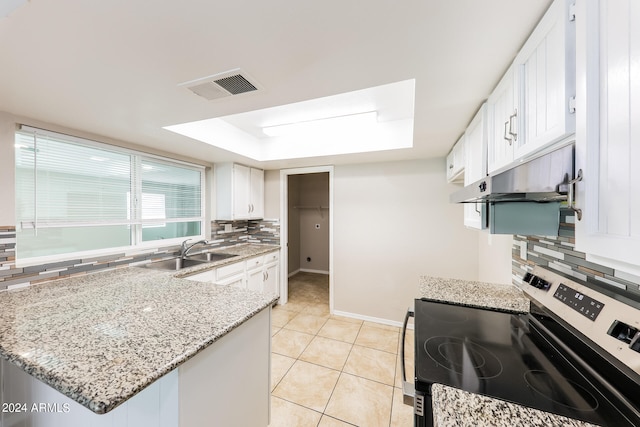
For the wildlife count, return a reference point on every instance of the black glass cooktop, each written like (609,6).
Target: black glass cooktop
(504,355)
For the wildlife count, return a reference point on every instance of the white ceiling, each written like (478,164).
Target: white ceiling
(112,68)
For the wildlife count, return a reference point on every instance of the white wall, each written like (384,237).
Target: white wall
(272,194)
(7,174)
(494,257)
(393,223)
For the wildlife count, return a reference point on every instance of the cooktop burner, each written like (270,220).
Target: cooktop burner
(460,355)
(580,398)
(506,356)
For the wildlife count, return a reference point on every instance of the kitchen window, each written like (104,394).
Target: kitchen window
(77,196)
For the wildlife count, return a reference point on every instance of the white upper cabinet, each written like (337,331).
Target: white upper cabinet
(502,109)
(239,192)
(455,162)
(545,68)
(608,132)
(475,165)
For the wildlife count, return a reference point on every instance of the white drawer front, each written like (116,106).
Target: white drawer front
(272,257)
(230,270)
(255,262)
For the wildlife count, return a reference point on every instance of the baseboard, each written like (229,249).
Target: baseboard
(371,319)
(293,273)
(307,270)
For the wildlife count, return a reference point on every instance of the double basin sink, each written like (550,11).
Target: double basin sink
(175,264)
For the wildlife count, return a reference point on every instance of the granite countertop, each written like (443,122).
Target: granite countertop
(101,338)
(453,407)
(508,298)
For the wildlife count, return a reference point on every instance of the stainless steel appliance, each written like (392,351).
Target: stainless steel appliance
(526,198)
(576,354)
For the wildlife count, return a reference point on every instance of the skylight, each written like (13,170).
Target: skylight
(374,119)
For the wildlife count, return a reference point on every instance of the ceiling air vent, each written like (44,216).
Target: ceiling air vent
(233,82)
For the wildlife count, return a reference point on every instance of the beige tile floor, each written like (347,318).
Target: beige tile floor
(330,370)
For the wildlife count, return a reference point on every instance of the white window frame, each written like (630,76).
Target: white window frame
(138,245)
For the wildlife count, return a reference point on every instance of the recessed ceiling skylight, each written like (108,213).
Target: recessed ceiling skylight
(373,119)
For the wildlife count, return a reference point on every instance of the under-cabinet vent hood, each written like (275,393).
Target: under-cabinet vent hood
(542,179)
(233,82)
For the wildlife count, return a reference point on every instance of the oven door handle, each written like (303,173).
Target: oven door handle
(408,389)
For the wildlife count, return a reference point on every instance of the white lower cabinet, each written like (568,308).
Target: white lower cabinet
(263,275)
(260,273)
(237,281)
(272,278)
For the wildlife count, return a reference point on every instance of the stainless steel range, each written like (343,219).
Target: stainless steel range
(576,354)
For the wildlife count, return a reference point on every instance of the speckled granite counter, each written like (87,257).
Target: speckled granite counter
(101,338)
(507,298)
(456,408)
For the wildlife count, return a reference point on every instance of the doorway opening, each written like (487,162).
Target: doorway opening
(306,226)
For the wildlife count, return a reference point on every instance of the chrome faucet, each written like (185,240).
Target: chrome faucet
(184,248)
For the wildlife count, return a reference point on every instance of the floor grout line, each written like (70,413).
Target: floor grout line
(341,371)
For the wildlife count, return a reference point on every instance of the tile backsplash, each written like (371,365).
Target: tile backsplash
(559,254)
(254,231)
(264,231)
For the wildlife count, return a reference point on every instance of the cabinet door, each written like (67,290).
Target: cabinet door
(271,278)
(608,131)
(241,183)
(502,108)
(255,279)
(455,168)
(546,67)
(257,193)
(476,166)
(237,281)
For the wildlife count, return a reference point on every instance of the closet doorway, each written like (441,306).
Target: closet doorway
(306,227)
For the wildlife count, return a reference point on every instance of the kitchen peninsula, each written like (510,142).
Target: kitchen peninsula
(134,346)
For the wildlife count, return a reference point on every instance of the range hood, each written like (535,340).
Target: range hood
(542,179)
(526,198)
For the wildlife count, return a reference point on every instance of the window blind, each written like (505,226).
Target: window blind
(75,195)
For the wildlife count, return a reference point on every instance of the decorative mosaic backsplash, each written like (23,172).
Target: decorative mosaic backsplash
(265,231)
(258,231)
(559,254)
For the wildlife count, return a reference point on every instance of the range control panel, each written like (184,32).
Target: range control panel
(611,324)
(583,304)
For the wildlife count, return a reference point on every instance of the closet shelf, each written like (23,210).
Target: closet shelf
(319,208)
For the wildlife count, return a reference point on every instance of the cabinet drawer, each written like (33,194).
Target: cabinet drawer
(255,262)
(237,281)
(272,257)
(230,270)
(206,276)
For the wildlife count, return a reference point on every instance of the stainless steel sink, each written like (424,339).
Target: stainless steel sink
(174,264)
(210,256)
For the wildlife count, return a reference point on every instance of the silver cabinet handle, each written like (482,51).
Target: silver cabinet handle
(507,132)
(512,126)
(571,195)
